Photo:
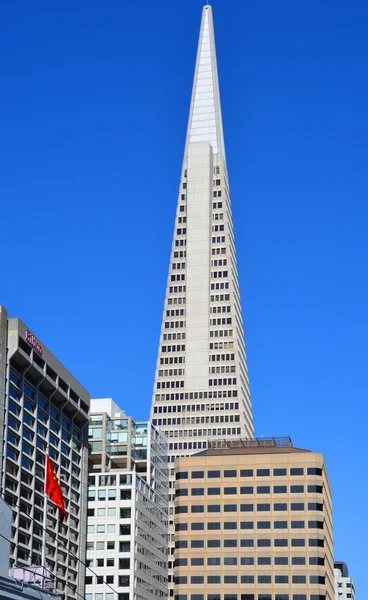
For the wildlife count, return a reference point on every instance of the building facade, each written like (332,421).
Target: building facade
(253,521)
(201,387)
(344,585)
(42,405)
(127,507)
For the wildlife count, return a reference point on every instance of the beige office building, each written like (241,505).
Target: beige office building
(253,521)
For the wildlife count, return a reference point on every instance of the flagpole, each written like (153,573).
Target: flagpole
(44,525)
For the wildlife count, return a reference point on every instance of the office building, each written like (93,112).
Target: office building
(201,387)
(253,521)
(127,507)
(344,585)
(43,405)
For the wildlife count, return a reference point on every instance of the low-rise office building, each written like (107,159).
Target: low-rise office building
(128,487)
(43,406)
(253,521)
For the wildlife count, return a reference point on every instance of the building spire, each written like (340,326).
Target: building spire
(205,120)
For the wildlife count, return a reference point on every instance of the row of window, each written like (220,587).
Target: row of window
(211,525)
(197,407)
(249,543)
(277,472)
(248,579)
(249,560)
(198,420)
(266,489)
(263,596)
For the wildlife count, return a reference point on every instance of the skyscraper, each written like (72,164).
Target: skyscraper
(201,385)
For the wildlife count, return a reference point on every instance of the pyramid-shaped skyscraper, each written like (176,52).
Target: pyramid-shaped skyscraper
(201,388)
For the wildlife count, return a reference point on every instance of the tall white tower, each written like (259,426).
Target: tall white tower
(201,385)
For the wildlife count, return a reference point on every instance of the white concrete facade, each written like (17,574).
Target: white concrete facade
(344,585)
(201,387)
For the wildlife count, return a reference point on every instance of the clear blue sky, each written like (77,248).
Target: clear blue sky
(94,104)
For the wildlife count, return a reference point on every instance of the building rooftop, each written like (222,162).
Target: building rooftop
(273,445)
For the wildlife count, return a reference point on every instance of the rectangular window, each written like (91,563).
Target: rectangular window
(247,543)
(314,471)
(297,543)
(279,489)
(280,543)
(213,474)
(263,507)
(197,474)
(246,473)
(280,506)
(281,579)
(214,562)
(264,560)
(230,490)
(297,471)
(197,544)
(247,560)
(246,525)
(213,508)
(230,543)
(197,491)
(297,489)
(213,525)
(213,491)
(280,524)
(230,525)
(263,489)
(281,560)
(263,472)
(297,506)
(279,472)
(246,508)
(212,579)
(263,543)
(197,579)
(197,509)
(264,578)
(297,524)
(182,475)
(298,560)
(213,543)
(247,579)
(230,473)
(197,526)
(230,507)
(263,524)
(230,579)
(246,490)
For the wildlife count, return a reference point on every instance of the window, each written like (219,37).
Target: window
(213,597)
(263,472)
(230,490)
(297,543)
(213,474)
(213,491)
(111,545)
(246,490)
(181,544)
(315,488)
(181,509)
(197,474)
(317,579)
(213,543)
(181,492)
(299,579)
(279,489)
(315,524)
(213,525)
(246,473)
(247,560)
(198,508)
(264,560)
(247,579)
(281,579)
(197,579)
(230,579)
(280,543)
(263,489)
(297,524)
(280,506)
(181,562)
(281,560)
(279,472)
(263,507)
(197,526)
(197,491)
(213,508)
(297,506)
(100,545)
(213,579)
(230,543)
(247,543)
(280,524)
(263,543)
(197,544)
(246,525)
(314,471)
(177,597)
(246,507)
(230,525)
(213,561)
(299,597)
(182,475)
(181,580)
(197,597)
(230,507)
(315,506)
(297,471)
(263,524)
(230,473)
(316,560)
(264,579)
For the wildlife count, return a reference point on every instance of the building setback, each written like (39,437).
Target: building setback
(42,405)
(127,507)
(201,387)
(253,521)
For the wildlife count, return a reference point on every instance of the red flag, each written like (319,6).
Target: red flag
(53,489)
